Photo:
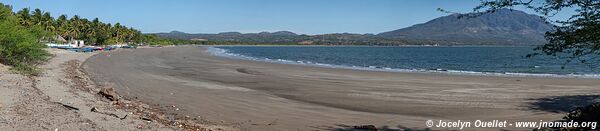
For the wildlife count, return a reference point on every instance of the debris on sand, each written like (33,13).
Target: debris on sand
(109,93)
(140,126)
(146,119)
(68,106)
(365,127)
(94,109)
(73,73)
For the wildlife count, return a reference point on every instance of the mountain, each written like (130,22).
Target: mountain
(286,37)
(225,35)
(262,37)
(502,26)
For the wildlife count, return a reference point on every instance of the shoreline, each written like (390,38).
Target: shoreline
(380,45)
(149,112)
(248,93)
(219,52)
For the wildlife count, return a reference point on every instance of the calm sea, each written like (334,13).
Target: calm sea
(508,61)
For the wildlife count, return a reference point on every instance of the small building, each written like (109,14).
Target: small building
(77,43)
(60,42)
(119,45)
(70,44)
(59,39)
(198,39)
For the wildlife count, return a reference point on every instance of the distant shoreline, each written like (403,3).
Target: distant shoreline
(380,45)
(211,50)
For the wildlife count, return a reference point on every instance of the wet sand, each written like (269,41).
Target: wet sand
(268,96)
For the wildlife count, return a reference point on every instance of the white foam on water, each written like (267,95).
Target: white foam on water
(226,53)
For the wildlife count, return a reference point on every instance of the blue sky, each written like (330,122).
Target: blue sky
(213,16)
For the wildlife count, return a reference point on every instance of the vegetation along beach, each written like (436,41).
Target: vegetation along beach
(340,65)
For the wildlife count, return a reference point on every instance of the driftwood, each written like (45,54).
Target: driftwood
(109,93)
(68,106)
(94,109)
(146,119)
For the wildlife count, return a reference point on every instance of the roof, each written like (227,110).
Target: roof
(59,38)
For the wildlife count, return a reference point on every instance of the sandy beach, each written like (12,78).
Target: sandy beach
(62,97)
(251,95)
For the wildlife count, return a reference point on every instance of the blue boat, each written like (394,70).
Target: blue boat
(109,48)
(86,49)
(129,46)
(64,47)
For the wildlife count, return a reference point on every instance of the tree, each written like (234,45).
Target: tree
(48,22)
(24,17)
(73,27)
(37,17)
(60,25)
(117,32)
(576,38)
(78,28)
(19,46)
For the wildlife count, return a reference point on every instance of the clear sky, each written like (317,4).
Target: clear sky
(213,16)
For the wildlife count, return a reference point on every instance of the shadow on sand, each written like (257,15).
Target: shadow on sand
(556,104)
(562,104)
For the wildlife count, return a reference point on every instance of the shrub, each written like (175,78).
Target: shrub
(19,46)
(589,113)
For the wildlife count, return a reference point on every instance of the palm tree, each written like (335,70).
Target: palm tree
(48,22)
(118,31)
(131,34)
(24,17)
(73,27)
(72,31)
(93,31)
(60,25)
(106,30)
(61,19)
(37,17)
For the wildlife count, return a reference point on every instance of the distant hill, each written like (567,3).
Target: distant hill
(286,37)
(266,37)
(502,26)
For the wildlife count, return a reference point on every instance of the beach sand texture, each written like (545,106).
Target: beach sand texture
(255,95)
(37,103)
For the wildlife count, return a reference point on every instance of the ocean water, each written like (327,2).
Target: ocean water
(504,61)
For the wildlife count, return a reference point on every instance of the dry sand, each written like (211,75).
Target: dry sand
(254,95)
(48,101)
